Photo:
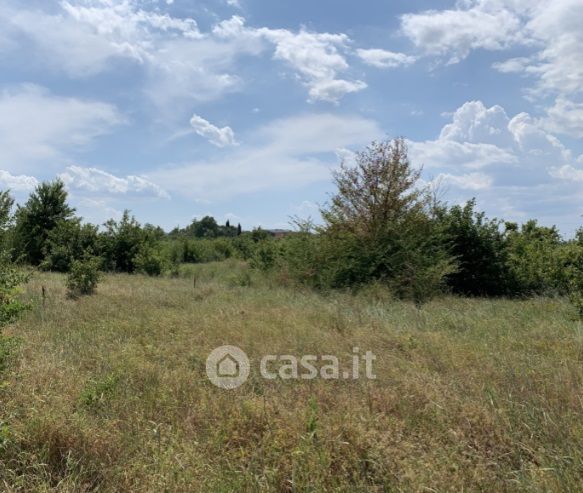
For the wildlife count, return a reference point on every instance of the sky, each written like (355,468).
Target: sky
(242,109)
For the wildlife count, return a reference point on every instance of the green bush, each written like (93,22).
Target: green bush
(10,280)
(150,261)
(84,276)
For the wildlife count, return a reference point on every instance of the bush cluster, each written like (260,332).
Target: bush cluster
(381,227)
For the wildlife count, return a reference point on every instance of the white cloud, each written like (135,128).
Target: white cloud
(98,181)
(220,137)
(317,58)
(17,182)
(283,154)
(567,172)
(550,29)
(37,126)
(456,32)
(85,38)
(470,181)
(524,170)
(565,117)
(479,137)
(385,59)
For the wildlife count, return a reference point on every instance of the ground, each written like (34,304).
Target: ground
(109,392)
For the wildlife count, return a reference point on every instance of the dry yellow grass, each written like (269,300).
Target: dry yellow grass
(109,392)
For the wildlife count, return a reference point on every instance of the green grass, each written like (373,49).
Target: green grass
(109,392)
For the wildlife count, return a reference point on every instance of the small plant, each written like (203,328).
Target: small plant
(97,392)
(84,277)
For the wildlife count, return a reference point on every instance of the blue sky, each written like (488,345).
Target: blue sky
(242,108)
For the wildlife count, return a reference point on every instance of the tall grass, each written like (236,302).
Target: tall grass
(109,392)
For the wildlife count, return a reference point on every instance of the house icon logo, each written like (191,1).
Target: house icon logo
(227,367)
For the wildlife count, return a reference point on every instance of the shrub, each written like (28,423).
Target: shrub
(84,276)
(121,242)
(69,241)
(480,249)
(10,280)
(149,261)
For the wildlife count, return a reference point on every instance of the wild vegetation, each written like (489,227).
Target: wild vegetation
(476,324)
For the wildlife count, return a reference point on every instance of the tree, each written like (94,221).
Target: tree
(44,210)
(381,225)
(239,230)
(378,192)
(67,242)
(480,249)
(121,243)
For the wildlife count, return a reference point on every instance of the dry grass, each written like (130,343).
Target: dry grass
(108,393)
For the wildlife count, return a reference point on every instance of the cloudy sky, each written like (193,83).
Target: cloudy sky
(241,108)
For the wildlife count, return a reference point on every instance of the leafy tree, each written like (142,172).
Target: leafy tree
(381,225)
(69,241)
(239,230)
(533,260)
(480,249)
(122,241)
(44,210)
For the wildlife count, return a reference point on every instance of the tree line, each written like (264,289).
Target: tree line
(382,226)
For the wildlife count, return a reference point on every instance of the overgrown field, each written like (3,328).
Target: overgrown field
(109,392)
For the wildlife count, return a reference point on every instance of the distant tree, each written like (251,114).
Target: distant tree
(207,227)
(121,242)
(44,210)
(228,224)
(239,230)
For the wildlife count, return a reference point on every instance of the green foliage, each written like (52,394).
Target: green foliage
(97,392)
(10,280)
(266,255)
(532,259)
(122,242)
(150,261)
(44,210)
(207,227)
(69,241)
(84,276)
(480,250)
(10,277)
(380,226)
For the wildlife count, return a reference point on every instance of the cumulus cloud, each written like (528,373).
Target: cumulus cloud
(317,58)
(550,30)
(565,117)
(98,181)
(37,126)
(456,32)
(17,183)
(524,171)
(469,181)
(479,137)
(385,59)
(85,38)
(284,154)
(220,137)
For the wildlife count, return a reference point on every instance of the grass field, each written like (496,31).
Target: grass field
(109,392)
